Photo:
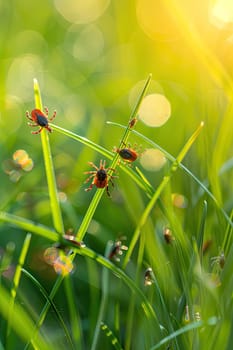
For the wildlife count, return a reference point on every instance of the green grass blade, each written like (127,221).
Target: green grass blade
(51,180)
(28,225)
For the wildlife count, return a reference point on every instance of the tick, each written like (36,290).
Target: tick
(129,154)
(41,119)
(100,177)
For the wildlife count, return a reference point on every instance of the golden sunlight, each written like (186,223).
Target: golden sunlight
(222,11)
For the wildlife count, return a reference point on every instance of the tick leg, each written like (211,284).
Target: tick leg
(107,190)
(30,124)
(48,128)
(46,111)
(110,179)
(37,132)
(102,164)
(93,165)
(53,116)
(28,116)
(89,178)
(90,187)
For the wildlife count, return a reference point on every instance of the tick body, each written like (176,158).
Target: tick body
(41,119)
(129,154)
(100,177)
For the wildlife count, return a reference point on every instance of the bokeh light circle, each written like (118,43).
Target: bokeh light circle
(89,44)
(152,159)
(81,11)
(155,110)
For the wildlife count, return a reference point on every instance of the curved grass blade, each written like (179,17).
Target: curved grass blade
(29,226)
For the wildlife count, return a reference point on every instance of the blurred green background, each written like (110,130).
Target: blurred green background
(89,58)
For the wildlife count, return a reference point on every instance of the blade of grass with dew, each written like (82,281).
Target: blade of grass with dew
(157,193)
(146,186)
(48,299)
(96,199)
(28,225)
(19,318)
(16,279)
(171,158)
(114,341)
(51,179)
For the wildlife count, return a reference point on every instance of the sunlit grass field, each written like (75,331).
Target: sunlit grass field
(116,214)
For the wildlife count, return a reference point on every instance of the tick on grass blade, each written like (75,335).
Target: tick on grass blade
(41,119)
(117,249)
(100,177)
(128,154)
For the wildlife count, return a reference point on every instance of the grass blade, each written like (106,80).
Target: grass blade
(28,225)
(52,188)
